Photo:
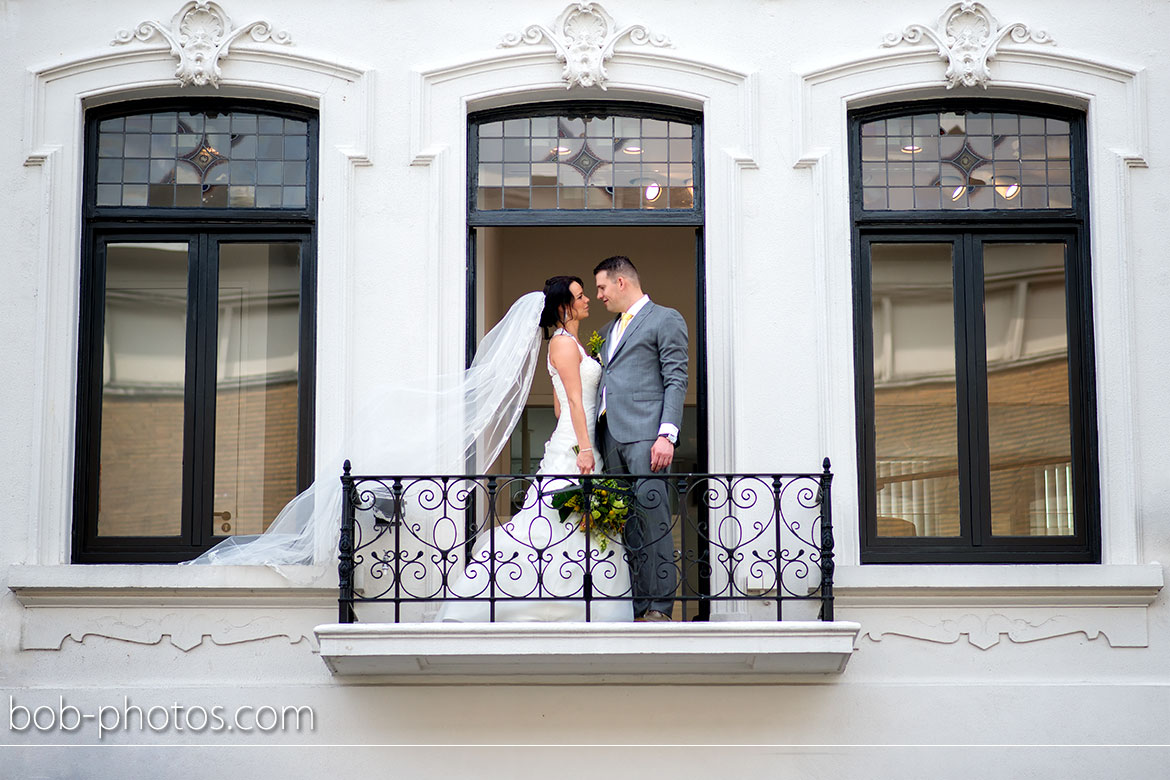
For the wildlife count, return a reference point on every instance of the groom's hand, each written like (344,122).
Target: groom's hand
(661,454)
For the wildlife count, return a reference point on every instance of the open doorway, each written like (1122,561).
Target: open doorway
(511,261)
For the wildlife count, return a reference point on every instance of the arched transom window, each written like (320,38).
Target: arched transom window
(208,159)
(974,160)
(586,158)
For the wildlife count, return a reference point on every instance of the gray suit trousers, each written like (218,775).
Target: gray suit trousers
(648,538)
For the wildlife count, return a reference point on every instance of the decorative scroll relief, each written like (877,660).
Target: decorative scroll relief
(584,36)
(987,630)
(44,630)
(200,35)
(967,36)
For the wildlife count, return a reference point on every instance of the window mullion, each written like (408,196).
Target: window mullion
(977,407)
(206,311)
(966,374)
(192,473)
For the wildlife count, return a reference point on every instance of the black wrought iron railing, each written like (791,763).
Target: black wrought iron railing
(523,547)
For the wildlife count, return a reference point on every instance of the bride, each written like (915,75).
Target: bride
(536,555)
(467,418)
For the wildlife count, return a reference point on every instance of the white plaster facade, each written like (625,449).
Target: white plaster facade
(958,655)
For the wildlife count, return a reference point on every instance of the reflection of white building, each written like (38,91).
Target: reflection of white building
(939,271)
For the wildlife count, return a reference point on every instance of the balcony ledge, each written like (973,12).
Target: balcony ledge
(589,652)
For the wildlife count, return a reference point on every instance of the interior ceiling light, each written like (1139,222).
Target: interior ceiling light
(632,149)
(911,149)
(653,191)
(1007,188)
(562,150)
(958,193)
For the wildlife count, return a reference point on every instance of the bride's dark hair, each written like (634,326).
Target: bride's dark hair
(557,296)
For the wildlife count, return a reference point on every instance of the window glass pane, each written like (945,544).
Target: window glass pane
(952,153)
(199,149)
(256,384)
(915,401)
(141,471)
(1027,390)
(624,162)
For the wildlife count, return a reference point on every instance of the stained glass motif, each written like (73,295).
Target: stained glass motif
(966,161)
(585,162)
(203,159)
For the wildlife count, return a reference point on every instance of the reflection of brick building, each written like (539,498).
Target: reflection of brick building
(256,459)
(1028,434)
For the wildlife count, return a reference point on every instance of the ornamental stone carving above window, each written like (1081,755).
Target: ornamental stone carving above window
(584,36)
(967,36)
(200,35)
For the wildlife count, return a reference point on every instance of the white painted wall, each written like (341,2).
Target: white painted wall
(994,654)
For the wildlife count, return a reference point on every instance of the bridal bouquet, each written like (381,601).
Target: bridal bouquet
(609,506)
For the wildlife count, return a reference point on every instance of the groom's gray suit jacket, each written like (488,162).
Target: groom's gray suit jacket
(645,380)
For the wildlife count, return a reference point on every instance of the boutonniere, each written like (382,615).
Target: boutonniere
(593,346)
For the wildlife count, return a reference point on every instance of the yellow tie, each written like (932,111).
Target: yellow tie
(626,317)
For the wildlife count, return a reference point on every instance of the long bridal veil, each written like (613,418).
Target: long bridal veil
(452,424)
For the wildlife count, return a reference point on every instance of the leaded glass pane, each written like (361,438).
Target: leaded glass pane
(585,162)
(965,161)
(189,159)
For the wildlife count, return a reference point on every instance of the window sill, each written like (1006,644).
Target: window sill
(997,585)
(587,652)
(117,585)
(184,604)
(985,604)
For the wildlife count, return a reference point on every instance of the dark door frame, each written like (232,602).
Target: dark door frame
(694,216)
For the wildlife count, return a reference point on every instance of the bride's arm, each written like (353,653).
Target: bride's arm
(566,359)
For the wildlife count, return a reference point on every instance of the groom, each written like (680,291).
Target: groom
(640,404)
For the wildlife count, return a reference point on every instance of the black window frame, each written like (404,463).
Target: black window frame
(968,231)
(203,229)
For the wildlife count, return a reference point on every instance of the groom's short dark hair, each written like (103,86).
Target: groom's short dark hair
(618,265)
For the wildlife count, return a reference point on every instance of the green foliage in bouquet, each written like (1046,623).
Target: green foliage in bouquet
(594,345)
(609,507)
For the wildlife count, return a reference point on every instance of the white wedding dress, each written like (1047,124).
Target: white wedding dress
(536,560)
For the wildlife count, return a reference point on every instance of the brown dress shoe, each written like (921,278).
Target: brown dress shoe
(653,616)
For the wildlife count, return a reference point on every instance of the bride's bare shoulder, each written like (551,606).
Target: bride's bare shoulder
(563,350)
